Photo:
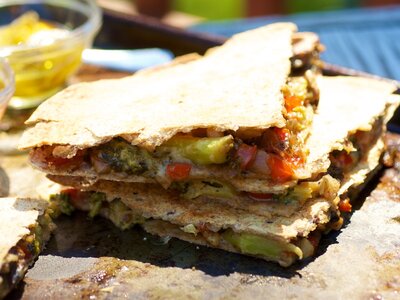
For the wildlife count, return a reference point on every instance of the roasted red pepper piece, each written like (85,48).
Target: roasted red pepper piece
(276,140)
(71,192)
(44,156)
(281,133)
(261,196)
(281,170)
(344,205)
(178,171)
(292,102)
(342,159)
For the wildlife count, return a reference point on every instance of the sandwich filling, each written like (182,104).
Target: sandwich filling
(184,165)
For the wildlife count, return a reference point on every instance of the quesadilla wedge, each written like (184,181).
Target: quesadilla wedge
(24,229)
(345,146)
(196,118)
(212,223)
(345,143)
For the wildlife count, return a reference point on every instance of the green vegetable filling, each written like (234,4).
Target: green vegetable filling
(210,188)
(256,245)
(59,204)
(201,151)
(95,203)
(301,192)
(122,216)
(124,157)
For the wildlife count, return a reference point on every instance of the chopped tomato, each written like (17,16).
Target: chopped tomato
(60,161)
(281,133)
(44,157)
(275,140)
(261,196)
(71,192)
(178,171)
(345,206)
(281,170)
(292,102)
(246,155)
(75,196)
(314,240)
(344,158)
(347,159)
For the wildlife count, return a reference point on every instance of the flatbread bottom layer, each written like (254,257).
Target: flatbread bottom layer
(156,203)
(209,222)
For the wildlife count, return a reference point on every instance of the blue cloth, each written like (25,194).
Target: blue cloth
(361,39)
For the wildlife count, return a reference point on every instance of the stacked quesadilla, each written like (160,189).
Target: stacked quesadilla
(25,227)
(227,150)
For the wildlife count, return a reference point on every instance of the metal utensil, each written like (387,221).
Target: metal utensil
(126,60)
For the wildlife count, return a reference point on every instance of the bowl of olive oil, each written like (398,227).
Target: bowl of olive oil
(43,41)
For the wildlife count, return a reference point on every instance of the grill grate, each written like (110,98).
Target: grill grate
(363,39)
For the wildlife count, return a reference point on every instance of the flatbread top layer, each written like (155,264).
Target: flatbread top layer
(237,85)
(16,216)
(347,104)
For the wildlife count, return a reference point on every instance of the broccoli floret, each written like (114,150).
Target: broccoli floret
(60,204)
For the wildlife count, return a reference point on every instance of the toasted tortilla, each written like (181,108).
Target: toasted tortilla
(164,229)
(347,104)
(152,201)
(18,217)
(267,210)
(361,172)
(237,202)
(235,86)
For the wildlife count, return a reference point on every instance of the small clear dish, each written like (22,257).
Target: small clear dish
(42,69)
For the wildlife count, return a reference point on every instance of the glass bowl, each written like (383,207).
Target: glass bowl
(42,70)
(7,85)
